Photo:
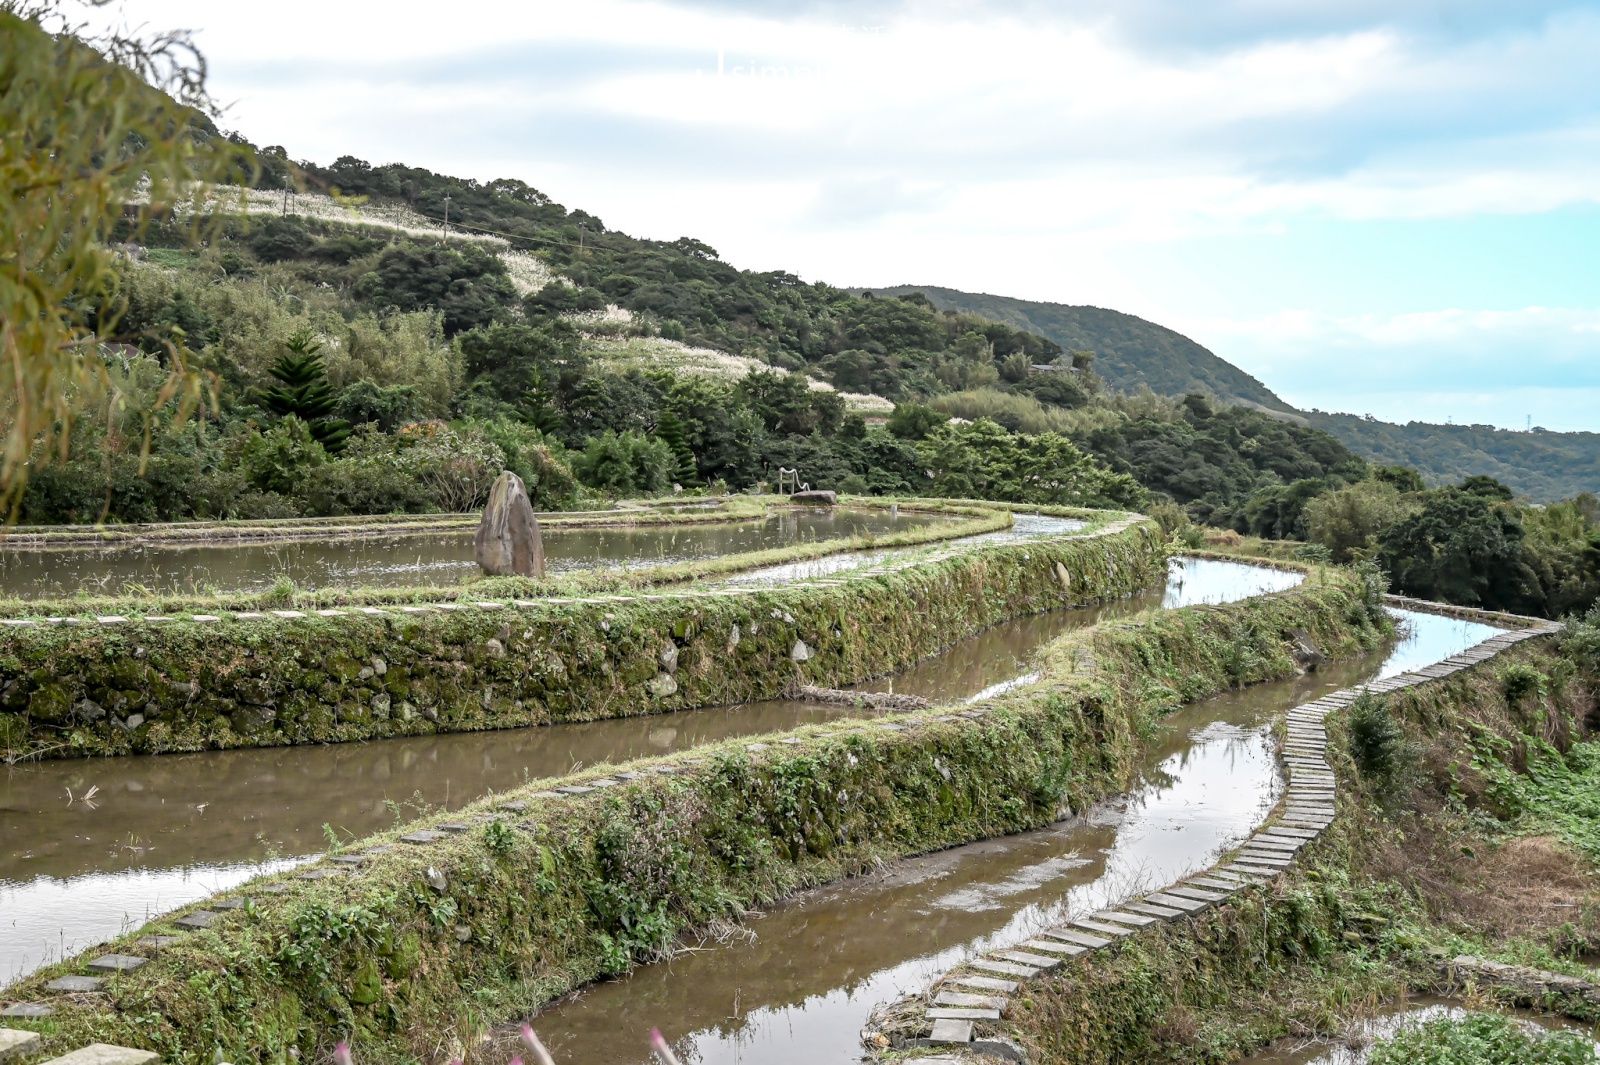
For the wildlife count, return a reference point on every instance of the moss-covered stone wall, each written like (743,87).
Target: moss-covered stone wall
(139,686)
(406,942)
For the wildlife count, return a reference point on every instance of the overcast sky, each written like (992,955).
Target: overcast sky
(1378,207)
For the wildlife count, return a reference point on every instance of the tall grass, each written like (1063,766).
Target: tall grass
(1023,413)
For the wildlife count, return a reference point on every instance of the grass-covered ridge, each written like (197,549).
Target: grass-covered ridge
(145,687)
(425,945)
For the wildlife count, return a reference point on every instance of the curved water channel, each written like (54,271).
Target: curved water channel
(404,560)
(91,847)
(798,982)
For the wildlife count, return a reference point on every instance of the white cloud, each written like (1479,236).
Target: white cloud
(1015,149)
(1492,366)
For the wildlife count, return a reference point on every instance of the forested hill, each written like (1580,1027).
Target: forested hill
(1129,351)
(1542,465)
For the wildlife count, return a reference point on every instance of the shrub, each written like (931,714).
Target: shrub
(1377,742)
(627,463)
(275,461)
(1349,521)
(1520,680)
(454,467)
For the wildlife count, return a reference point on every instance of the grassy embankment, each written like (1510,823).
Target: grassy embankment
(425,945)
(184,685)
(1469,824)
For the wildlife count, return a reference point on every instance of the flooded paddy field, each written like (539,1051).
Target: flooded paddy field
(430,559)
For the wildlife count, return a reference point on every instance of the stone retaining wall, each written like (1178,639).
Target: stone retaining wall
(148,685)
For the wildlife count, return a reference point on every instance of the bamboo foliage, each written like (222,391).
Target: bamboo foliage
(92,132)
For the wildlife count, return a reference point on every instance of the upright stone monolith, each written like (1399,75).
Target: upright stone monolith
(508,542)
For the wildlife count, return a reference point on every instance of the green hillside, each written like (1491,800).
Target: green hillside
(1130,351)
(1542,465)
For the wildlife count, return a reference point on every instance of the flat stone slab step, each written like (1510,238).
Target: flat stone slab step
(1137,920)
(117,963)
(966,1000)
(17,1044)
(1022,957)
(32,1011)
(106,1054)
(1103,928)
(1004,968)
(1198,894)
(1051,946)
(1274,843)
(1265,857)
(1214,885)
(986,983)
(76,984)
(1259,872)
(950,1031)
(957,1013)
(197,920)
(422,836)
(1162,898)
(1166,913)
(1081,939)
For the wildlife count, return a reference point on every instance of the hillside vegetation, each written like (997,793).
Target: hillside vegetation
(1133,354)
(1542,465)
(364,363)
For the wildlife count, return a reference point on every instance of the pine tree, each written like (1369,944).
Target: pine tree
(305,392)
(675,433)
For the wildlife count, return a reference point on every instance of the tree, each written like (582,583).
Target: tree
(88,130)
(305,393)
(625,463)
(1460,548)
(1349,521)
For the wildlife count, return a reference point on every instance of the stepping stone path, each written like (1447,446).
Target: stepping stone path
(1307,809)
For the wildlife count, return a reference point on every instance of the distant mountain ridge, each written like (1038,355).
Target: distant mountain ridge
(1542,465)
(1129,350)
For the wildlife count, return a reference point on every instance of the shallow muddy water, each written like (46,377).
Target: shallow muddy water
(1023,527)
(1356,1047)
(799,986)
(429,559)
(89,847)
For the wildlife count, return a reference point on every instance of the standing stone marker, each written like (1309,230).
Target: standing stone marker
(508,542)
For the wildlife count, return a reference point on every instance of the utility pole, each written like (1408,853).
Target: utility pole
(447,220)
(285,211)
